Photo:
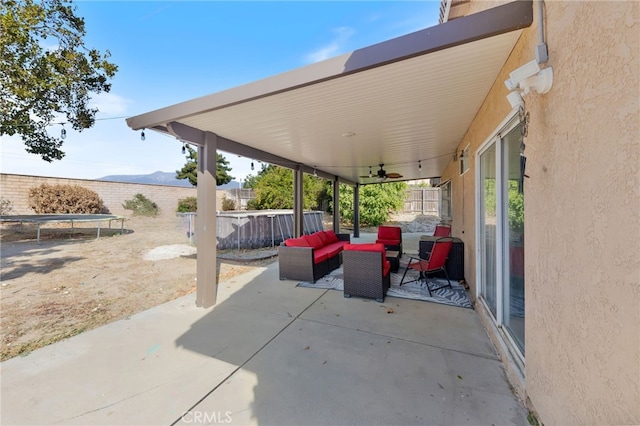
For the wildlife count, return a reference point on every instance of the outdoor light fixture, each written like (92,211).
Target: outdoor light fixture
(370,172)
(419,164)
(63,132)
(252,166)
(526,78)
(142,137)
(184,149)
(515,99)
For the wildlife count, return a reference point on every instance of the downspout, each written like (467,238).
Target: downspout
(542,54)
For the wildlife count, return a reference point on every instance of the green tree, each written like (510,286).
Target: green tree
(38,84)
(376,202)
(273,188)
(190,169)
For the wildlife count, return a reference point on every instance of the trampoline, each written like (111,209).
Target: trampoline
(40,219)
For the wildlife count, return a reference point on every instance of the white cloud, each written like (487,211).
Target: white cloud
(333,48)
(110,104)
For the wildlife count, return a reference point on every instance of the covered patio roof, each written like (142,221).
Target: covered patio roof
(401,103)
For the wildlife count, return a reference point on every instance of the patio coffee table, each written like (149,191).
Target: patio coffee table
(394,258)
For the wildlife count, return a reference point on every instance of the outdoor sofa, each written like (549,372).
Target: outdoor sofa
(311,256)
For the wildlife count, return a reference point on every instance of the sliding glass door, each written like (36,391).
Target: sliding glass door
(513,236)
(500,235)
(488,224)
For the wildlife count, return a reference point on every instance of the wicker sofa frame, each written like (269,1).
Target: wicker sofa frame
(296,263)
(363,275)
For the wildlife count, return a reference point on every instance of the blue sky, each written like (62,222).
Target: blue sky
(169,52)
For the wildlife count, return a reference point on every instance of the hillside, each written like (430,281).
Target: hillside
(159,178)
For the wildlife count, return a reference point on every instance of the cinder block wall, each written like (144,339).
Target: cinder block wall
(15,188)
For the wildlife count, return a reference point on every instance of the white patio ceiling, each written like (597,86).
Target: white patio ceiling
(403,101)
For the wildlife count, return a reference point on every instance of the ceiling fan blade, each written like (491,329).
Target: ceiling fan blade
(394,175)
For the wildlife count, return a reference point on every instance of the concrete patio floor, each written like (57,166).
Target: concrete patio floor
(272,354)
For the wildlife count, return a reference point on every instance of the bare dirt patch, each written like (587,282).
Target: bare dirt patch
(72,282)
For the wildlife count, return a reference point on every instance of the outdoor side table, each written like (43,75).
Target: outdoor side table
(394,258)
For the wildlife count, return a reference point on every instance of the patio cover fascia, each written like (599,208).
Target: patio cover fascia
(406,102)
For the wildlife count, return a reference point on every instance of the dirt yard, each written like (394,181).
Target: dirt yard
(72,282)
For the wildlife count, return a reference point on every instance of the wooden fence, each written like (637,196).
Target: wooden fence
(422,200)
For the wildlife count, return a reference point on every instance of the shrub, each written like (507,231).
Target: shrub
(376,202)
(187,205)
(64,199)
(5,206)
(228,204)
(142,206)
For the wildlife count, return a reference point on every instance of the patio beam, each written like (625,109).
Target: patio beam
(195,136)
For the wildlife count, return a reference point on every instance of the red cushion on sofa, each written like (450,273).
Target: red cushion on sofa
(333,238)
(296,242)
(314,241)
(389,233)
(319,256)
(333,249)
(323,237)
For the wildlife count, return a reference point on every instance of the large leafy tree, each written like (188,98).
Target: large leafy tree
(190,169)
(377,202)
(47,74)
(273,188)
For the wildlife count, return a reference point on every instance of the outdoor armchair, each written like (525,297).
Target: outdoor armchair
(367,272)
(435,262)
(391,237)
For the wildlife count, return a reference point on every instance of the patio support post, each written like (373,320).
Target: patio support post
(356,211)
(298,203)
(336,204)
(207,281)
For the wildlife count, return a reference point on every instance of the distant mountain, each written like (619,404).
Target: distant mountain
(160,178)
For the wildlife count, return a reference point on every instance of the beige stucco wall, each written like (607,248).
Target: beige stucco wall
(582,210)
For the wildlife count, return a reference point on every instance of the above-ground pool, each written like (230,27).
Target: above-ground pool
(254,229)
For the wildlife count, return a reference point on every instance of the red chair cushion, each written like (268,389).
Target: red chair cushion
(365,247)
(386,268)
(388,242)
(374,247)
(297,242)
(442,231)
(389,233)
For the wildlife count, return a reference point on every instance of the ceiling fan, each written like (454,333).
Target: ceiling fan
(382,174)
